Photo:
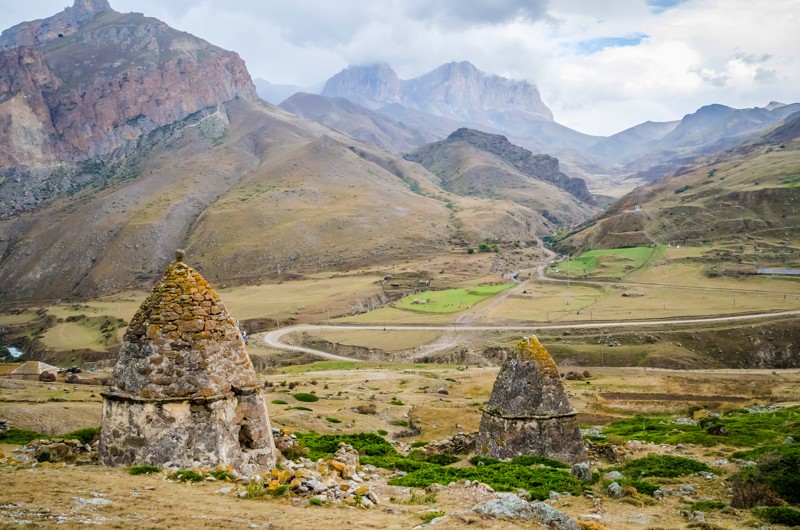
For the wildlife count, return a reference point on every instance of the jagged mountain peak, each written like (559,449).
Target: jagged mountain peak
(371,85)
(60,25)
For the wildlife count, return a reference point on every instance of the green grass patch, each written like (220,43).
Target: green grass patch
(305,397)
(279,402)
(793,183)
(396,403)
(306,409)
(745,429)
(85,436)
(430,516)
(333,420)
(21,436)
(144,470)
(502,476)
(382,432)
(707,506)
(449,300)
(186,475)
(609,263)
(524,460)
(324,445)
(779,515)
(661,466)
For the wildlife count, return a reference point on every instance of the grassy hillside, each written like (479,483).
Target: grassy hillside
(744,202)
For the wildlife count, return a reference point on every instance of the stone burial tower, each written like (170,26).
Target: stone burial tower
(184,392)
(528,412)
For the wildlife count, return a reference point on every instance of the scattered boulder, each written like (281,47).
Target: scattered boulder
(581,471)
(614,490)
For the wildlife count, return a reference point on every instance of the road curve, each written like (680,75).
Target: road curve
(273,338)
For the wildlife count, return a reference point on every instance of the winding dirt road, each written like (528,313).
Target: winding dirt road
(273,338)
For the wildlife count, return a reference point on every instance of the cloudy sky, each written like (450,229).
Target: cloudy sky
(601,66)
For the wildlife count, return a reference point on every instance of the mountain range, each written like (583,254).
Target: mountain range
(124,139)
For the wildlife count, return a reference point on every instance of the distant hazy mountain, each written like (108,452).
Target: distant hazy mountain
(455,91)
(654,148)
(275,93)
(357,121)
(745,195)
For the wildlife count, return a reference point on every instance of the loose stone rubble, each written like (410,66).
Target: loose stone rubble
(528,412)
(184,392)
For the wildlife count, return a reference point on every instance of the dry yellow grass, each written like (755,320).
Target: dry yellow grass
(384,340)
(73,335)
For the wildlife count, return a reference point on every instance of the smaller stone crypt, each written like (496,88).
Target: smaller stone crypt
(184,392)
(529,412)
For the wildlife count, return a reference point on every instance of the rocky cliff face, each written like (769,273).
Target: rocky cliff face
(371,86)
(461,91)
(89,81)
(541,167)
(61,25)
(457,91)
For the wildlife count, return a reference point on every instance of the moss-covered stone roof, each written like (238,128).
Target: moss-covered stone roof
(182,342)
(529,385)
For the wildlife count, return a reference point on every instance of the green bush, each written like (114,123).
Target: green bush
(21,436)
(662,466)
(382,432)
(707,506)
(314,501)
(186,475)
(524,460)
(776,473)
(86,436)
(430,516)
(306,397)
(144,470)
(418,444)
(539,482)
(779,515)
(745,429)
(324,445)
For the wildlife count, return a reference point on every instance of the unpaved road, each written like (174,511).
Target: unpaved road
(273,338)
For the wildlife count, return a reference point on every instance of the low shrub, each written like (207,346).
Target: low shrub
(186,475)
(396,402)
(744,429)
(279,402)
(779,515)
(144,470)
(305,397)
(382,432)
(316,501)
(662,466)
(86,436)
(21,436)
(367,408)
(707,506)
(333,420)
(430,516)
(775,475)
(502,476)
(324,445)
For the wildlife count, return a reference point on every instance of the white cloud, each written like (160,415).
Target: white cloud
(735,52)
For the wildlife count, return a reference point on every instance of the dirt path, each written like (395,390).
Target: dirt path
(272,338)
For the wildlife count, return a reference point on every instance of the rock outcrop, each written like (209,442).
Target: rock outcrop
(89,82)
(529,412)
(541,167)
(456,91)
(184,392)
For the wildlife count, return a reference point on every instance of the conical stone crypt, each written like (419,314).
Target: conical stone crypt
(184,392)
(528,412)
